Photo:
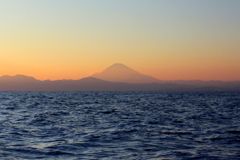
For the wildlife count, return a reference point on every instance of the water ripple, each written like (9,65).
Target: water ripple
(119,125)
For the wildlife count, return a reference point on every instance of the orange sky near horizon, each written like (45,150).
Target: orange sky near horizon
(169,40)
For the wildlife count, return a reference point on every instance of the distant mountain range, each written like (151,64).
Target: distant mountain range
(117,77)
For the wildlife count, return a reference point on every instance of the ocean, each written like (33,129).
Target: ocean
(120,125)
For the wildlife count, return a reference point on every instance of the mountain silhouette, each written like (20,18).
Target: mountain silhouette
(17,78)
(142,83)
(121,73)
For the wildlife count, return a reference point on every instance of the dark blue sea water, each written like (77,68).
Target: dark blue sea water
(120,125)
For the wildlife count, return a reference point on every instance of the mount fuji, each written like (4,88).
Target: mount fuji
(121,73)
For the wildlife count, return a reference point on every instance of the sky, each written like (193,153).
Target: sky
(166,39)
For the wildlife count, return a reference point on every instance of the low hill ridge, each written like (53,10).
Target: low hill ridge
(18,77)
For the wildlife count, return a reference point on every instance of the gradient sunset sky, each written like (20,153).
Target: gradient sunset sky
(167,39)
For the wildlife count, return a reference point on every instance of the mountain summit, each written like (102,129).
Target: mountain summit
(121,73)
